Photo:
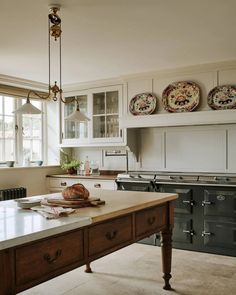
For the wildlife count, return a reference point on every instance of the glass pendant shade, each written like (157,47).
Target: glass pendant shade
(77,116)
(28,108)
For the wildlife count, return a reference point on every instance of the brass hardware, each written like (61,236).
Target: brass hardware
(151,220)
(111,235)
(50,259)
(63,183)
(97,185)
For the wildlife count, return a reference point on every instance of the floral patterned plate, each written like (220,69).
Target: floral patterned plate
(181,96)
(222,97)
(142,104)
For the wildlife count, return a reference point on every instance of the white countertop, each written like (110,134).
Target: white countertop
(19,226)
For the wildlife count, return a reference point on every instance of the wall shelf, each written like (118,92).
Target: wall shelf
(180,119)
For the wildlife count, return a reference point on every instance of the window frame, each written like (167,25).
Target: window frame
(18,135)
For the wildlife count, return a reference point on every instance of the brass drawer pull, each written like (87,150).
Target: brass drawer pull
(111,235)
(97,185)
(63,183)
(50,259)
(151,220)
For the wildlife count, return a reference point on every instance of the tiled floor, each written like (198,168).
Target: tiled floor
(136,270)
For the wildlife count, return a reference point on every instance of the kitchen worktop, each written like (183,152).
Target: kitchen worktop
(19,226)
(101,176)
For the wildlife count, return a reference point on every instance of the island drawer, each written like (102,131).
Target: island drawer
(149,220)
(108,235)
(36,260)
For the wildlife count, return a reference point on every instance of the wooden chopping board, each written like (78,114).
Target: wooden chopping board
(80,203)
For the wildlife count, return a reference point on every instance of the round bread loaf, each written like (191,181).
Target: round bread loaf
(76,191)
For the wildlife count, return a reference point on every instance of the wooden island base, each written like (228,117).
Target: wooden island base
(28,264)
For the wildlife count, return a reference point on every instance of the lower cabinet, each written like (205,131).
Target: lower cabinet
(205,218)
(57,184)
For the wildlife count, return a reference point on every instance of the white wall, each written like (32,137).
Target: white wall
(32,178)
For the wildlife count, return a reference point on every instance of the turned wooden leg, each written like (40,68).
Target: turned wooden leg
(88,268)
(166,248)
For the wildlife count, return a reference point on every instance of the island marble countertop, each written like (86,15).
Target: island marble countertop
(19,226)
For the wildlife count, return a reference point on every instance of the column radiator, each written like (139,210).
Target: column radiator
(12,193)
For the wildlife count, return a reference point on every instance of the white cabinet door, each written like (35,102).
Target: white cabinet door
(106,110)
(199,149)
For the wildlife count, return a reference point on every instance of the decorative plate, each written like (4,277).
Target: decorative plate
(222,97)
(142,104)
(181,96)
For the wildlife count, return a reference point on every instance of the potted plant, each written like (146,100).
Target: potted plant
(71,166)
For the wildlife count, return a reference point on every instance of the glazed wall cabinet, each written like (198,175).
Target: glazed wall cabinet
(103,106)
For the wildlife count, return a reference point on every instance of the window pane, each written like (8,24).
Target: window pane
(1,126)
(26,126)
(26,149)
(9,105)
(36,152)
(36,124)
(9,149)
(99,103)
(1,102)
(1,150)
(99,126)
(9,127)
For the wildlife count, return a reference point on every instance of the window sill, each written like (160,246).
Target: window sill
(29,167)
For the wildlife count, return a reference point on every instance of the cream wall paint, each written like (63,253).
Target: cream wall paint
(32,178)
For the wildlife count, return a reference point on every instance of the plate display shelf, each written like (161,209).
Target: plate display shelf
(180,119)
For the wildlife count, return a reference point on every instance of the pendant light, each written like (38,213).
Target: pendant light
(77,115)
(54,92)
(28,108)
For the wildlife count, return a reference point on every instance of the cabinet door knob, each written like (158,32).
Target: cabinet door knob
(63,183)
(97,185)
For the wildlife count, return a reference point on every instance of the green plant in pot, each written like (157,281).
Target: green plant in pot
(71,166)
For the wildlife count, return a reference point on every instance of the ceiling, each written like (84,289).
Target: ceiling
(111,38)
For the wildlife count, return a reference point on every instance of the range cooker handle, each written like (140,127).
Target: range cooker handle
(204,203)
(191,202)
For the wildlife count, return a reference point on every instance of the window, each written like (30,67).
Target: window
(21,136)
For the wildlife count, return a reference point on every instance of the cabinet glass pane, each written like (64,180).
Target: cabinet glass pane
(99,127)
(76,129)
(112,126)
(99,103)
(112,102)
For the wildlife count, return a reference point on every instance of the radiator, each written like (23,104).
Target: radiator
(12,193)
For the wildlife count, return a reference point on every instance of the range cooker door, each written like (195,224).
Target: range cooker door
(220,234)
(219,202)
(184,204)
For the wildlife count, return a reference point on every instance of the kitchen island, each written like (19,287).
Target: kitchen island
(34,250)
